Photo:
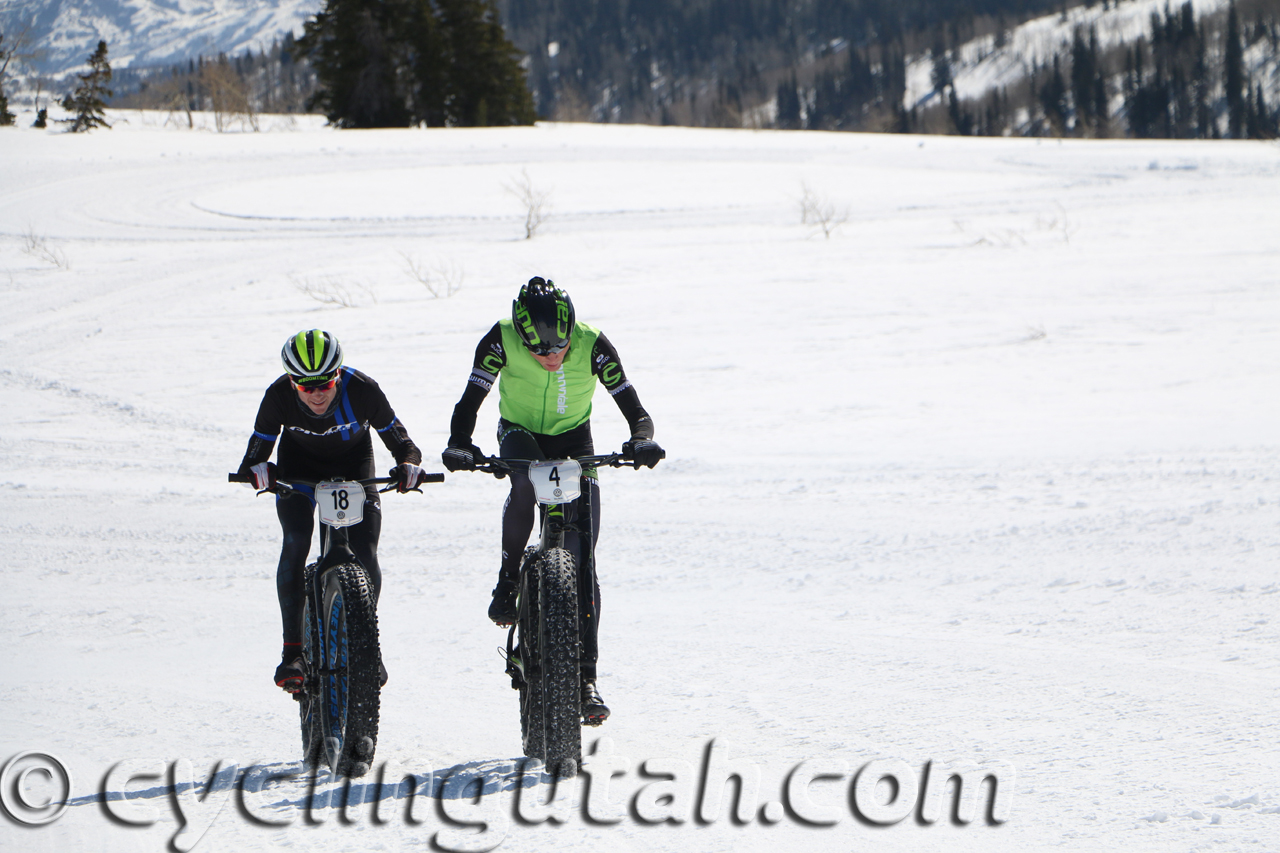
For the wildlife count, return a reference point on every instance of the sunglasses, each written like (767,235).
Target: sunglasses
(315,389)
(549,349)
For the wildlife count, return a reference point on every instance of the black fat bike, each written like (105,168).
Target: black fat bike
(543,645)
(341,660)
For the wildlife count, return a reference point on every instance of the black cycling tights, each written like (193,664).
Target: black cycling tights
(518,518)
(297,521)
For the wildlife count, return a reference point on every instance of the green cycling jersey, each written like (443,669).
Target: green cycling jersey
(539,400)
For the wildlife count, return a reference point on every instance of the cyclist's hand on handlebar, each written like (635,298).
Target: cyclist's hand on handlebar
(262,476)
(461,458)
(643,451)
(411,476)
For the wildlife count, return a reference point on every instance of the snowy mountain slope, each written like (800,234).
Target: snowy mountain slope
(989,475)
(146,32)
(980,67)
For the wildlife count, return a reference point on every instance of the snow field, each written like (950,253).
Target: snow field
(987,475)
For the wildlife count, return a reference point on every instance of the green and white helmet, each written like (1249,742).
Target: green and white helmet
(312,357)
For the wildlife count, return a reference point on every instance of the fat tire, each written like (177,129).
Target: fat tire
(348,683)
(558,648)
(532,720)
(308,706)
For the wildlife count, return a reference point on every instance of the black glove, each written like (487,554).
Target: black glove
(643,451)
(461,458)
(410,477)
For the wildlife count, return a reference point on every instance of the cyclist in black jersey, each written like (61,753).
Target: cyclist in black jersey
(323,414)
(547,365)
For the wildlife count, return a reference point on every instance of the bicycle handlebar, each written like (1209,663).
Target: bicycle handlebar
(291,483)
(500,467)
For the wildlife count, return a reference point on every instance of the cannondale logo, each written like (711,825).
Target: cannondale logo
(531,334)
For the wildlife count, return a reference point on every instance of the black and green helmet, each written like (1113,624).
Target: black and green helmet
(543,316)
(312,357)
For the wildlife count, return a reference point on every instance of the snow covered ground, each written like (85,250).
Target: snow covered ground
(989,475)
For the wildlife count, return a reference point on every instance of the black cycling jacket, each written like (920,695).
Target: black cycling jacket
(335,444)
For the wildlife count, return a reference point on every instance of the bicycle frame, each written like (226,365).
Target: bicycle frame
(553,586)
(339,698)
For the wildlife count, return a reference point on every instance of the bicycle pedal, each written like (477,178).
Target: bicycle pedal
(292,686)
(594,720)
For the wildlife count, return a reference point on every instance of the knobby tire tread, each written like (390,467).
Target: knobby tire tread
(360,735)
(308,707)
(532,721)
(558,652)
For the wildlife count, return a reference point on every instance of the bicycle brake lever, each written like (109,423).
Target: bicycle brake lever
(395,487)
(491,467)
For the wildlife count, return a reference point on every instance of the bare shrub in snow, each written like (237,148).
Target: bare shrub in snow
(1057,222)
(35,245)
(820,212)
(534,200)
(228,95)
(331,291)
(441,278)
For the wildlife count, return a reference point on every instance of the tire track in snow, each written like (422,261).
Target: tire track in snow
(102,404)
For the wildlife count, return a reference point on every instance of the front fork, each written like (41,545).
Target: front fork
(553,530)
(334,550)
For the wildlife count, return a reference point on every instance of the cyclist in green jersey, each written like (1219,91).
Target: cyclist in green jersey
(547,365)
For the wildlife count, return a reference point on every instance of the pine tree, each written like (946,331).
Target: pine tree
(396,63)
(788,104)
(88,102)
(961,120)
(486,85)
(1084,73)
(1234,58)
(430,68)
(825,114)
(1053,98)
(1268,124)
(940,75)
(7,54)
(1251,128)
(1205,125)
(357,48)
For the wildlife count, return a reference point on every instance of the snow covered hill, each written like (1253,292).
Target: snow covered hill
(987,477)
(980,67)
(148,32)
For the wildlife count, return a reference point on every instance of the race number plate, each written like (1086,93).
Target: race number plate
(556,481)
(341,504)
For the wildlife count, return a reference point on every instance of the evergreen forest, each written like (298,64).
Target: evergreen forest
(797,64)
